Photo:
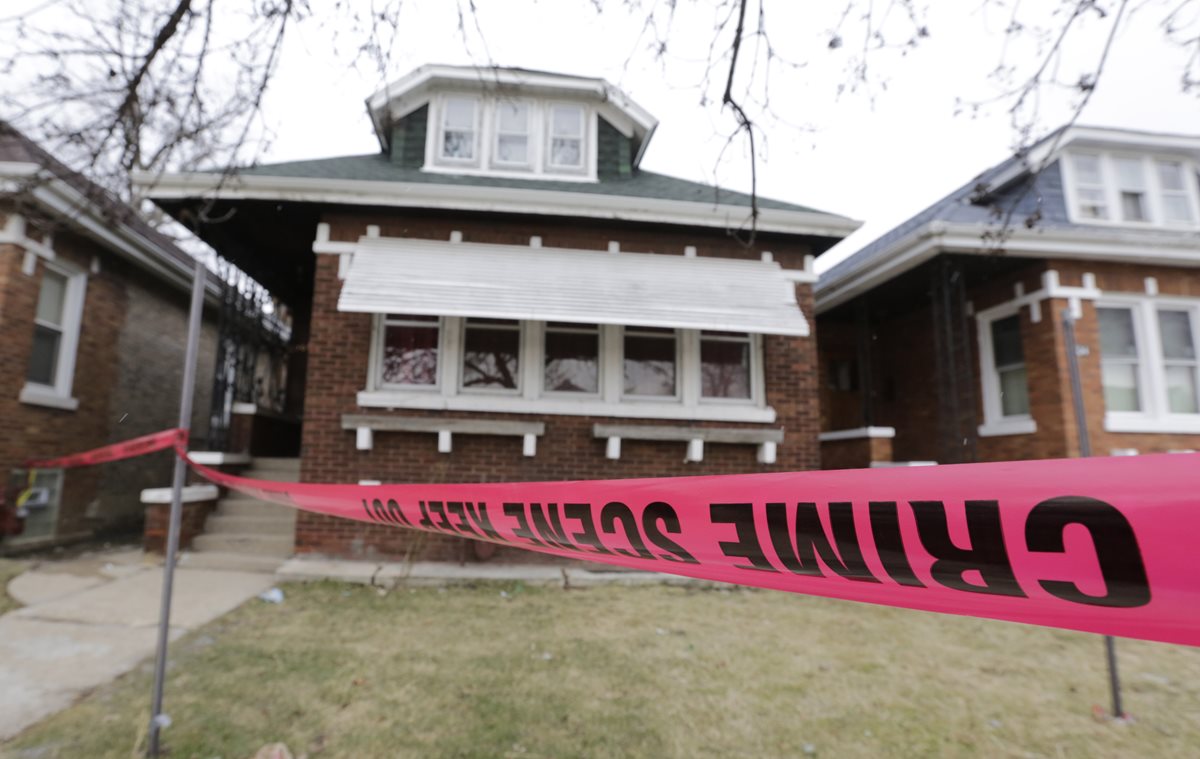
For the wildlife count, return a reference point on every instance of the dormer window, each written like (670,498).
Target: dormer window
(566,137)
(1177,206)
(1131,184)
(1089,186)
(512,134)
(459,130)
(1131,189)
(502,135)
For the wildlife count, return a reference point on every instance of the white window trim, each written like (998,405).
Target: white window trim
(586,139)
(1154,418)
(480,126)
(756,371)
(532,139)
(1112,193)
(680,371)
(522,363)
(58,395)
(995,423)
(533,398)
(538,343)
(378,333)
(486,136)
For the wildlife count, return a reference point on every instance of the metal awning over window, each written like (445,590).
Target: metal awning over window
(436,278)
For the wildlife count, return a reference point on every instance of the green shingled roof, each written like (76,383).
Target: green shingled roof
(377,167)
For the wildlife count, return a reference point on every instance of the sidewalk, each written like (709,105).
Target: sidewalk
(92,618)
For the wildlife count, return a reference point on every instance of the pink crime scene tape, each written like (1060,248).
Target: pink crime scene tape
(1102,545)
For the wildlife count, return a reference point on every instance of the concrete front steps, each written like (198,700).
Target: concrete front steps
(247,534)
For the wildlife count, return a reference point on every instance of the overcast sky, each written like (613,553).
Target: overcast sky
(878,155)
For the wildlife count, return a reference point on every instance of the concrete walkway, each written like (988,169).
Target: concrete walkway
(90,619)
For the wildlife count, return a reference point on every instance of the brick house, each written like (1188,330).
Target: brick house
(501,293)
(943,340)
(93,313)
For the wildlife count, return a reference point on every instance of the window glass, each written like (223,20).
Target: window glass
(491,350)
(1177,206)
(1014,391)
(566,136)
(1087,169)
(572,359)
(47,331)
(1175,327)
(1179,359)
(1117,338)
(1119,359)
(410,350)
(43,358)
(1181,389)
(1090,186)
(1170,175)
(1120,387)
(51,298)
(1009,360)
(458,129)
(512,133)
(1006,341)
(724,365)
(1131,181)
(649,362)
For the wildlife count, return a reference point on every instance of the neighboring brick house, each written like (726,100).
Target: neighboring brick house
(943,340)
(501,293)
(93,313)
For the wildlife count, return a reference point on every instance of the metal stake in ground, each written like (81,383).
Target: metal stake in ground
(157,718)
(1085,450)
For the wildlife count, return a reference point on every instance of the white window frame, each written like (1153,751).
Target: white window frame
(1156,217)
(521,359)
(679,368)
(1155,416)
(532,397)
(59,393)
(486,137)
(584,144)
(995,423)
(756,370)
(439,156)
(582,329)
(379,325)
(531,135)
(1186,192)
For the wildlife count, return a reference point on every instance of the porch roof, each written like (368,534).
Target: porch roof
(437,278)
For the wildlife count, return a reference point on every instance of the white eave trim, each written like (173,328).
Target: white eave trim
(935,238)
(67,203)
(494,200)
(409,85)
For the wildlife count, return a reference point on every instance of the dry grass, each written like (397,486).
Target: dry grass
(339,671)
(9,569)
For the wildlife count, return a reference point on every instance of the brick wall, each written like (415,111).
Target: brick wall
(338,365)
(906,396)
(1120,278)
(95,497)
(150,350)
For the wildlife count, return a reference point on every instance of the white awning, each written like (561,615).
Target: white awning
(436,278)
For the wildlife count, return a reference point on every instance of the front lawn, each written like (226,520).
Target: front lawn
(9,568)
(513,671)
